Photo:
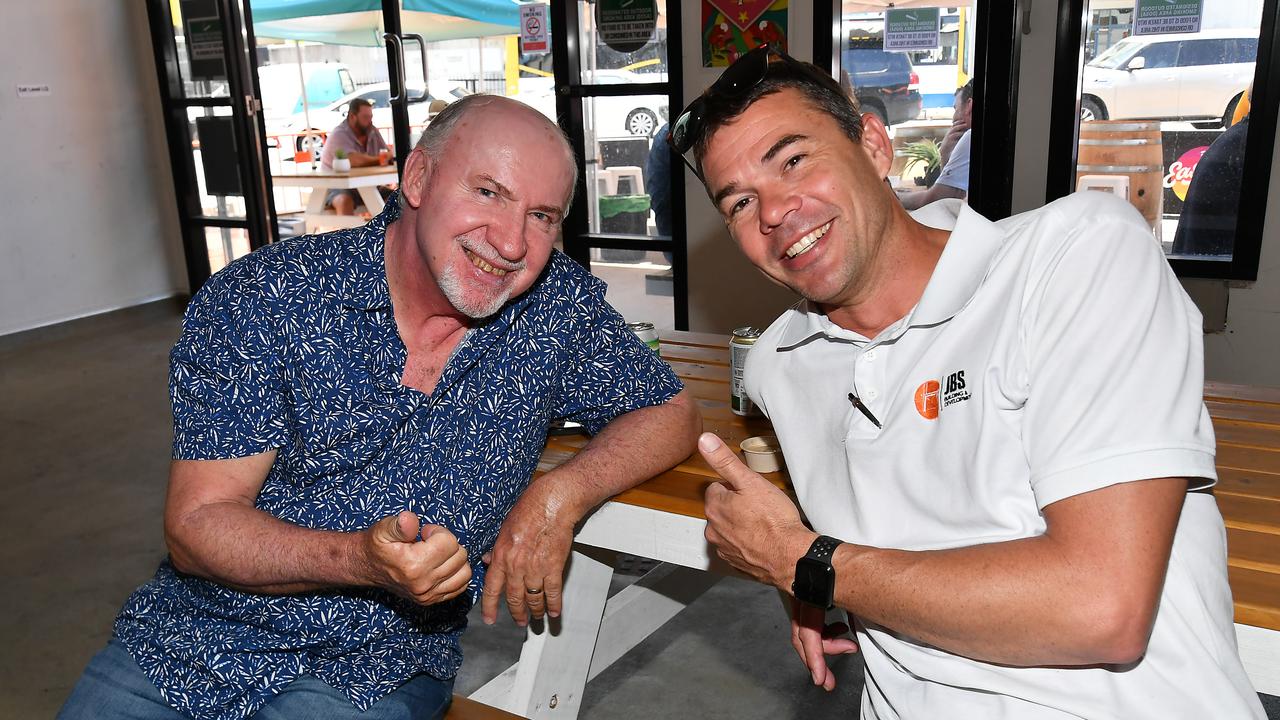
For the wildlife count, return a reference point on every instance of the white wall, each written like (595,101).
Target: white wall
(90,221)
(726,291)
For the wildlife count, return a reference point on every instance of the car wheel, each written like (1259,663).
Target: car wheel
(309,142)
(641,122)
(1091,110)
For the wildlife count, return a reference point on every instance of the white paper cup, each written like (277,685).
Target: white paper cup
(762,453)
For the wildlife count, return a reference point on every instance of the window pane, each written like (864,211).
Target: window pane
(916,94)
(1158,55)
(640,285)
(207,77)
(1202,52)
(1166,136)
(225,245)
(219,154)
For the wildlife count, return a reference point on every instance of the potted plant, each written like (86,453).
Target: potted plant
(341,163)
(924,151)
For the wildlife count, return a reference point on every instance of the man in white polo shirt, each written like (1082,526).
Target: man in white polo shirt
(995,430)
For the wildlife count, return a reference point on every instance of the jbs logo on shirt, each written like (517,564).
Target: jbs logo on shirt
(932,396)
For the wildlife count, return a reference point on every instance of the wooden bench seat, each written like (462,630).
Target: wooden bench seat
(1246,421)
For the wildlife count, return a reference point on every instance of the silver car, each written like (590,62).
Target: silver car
(1196,76)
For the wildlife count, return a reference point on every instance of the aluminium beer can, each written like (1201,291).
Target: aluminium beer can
(740,344)
(647,334)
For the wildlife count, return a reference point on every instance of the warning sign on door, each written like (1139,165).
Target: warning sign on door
(533,28)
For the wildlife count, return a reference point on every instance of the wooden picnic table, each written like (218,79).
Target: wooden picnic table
(664,518)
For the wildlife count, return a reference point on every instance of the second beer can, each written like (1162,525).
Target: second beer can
(647,334)
(740,345)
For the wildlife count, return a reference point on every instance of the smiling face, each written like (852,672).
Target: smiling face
(489,208)
(807,205)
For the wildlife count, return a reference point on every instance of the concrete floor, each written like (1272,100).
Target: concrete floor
(84,438)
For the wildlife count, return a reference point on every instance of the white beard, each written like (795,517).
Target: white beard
(451,286)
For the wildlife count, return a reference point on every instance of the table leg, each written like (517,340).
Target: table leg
(315,207)
(638,610)
(555,658)
(372,199)
(629,617)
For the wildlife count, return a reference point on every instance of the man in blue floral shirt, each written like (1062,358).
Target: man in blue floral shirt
(357,418)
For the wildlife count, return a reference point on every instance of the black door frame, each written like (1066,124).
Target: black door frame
(570,92)
(259,221)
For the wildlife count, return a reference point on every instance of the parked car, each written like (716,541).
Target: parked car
(281,87)
(884,82)
(422,107)
(614,116)
(1193,76)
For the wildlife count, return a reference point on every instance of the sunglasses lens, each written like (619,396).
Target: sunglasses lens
(680,131)
(747,71)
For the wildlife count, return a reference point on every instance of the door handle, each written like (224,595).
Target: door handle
(422,46)
(397,82)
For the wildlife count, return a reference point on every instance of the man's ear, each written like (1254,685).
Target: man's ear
(417,171)
(876,143)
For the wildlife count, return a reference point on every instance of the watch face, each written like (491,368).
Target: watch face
(815,582)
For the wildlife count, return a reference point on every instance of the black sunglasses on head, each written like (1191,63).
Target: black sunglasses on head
(744,74)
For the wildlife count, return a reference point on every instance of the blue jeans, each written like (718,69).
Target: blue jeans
(113,687)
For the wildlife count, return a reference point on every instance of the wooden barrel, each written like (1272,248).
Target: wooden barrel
(1131,148)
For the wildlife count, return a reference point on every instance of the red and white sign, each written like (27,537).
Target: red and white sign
(533,28)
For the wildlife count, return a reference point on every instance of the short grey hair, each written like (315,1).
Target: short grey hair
(435,138)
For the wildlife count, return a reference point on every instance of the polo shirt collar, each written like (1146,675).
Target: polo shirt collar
(959,273)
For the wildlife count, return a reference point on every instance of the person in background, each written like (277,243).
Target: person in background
(364,146)
(657,174)
(953,182)
(1207,225)
(996,431)
(358,417)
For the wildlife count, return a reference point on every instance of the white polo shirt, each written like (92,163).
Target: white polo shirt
(1051,354)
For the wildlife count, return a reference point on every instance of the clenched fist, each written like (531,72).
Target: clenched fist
(426,571)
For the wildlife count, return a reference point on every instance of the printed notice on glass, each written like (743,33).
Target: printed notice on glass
(1155,17)
(915,29)
(533,28)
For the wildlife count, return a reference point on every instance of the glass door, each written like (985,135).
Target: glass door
(615,84)
(210,107)
(335,89)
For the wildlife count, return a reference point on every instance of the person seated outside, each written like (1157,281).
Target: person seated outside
(363,145)
(954,180)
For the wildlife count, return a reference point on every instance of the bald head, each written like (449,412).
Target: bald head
(493,113)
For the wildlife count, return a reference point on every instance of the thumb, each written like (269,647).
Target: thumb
(725,462)
(402,527)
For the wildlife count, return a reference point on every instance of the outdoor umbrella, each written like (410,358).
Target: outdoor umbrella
(359,22)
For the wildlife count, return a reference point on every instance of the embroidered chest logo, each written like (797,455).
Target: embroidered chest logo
(932,396)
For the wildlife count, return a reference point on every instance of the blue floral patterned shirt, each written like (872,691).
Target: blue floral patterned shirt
(294,347)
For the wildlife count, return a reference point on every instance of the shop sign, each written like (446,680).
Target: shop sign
(1182,151)
(913,29)
(1154,17)
(626,25)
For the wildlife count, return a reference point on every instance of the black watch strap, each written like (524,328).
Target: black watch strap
(823,548)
